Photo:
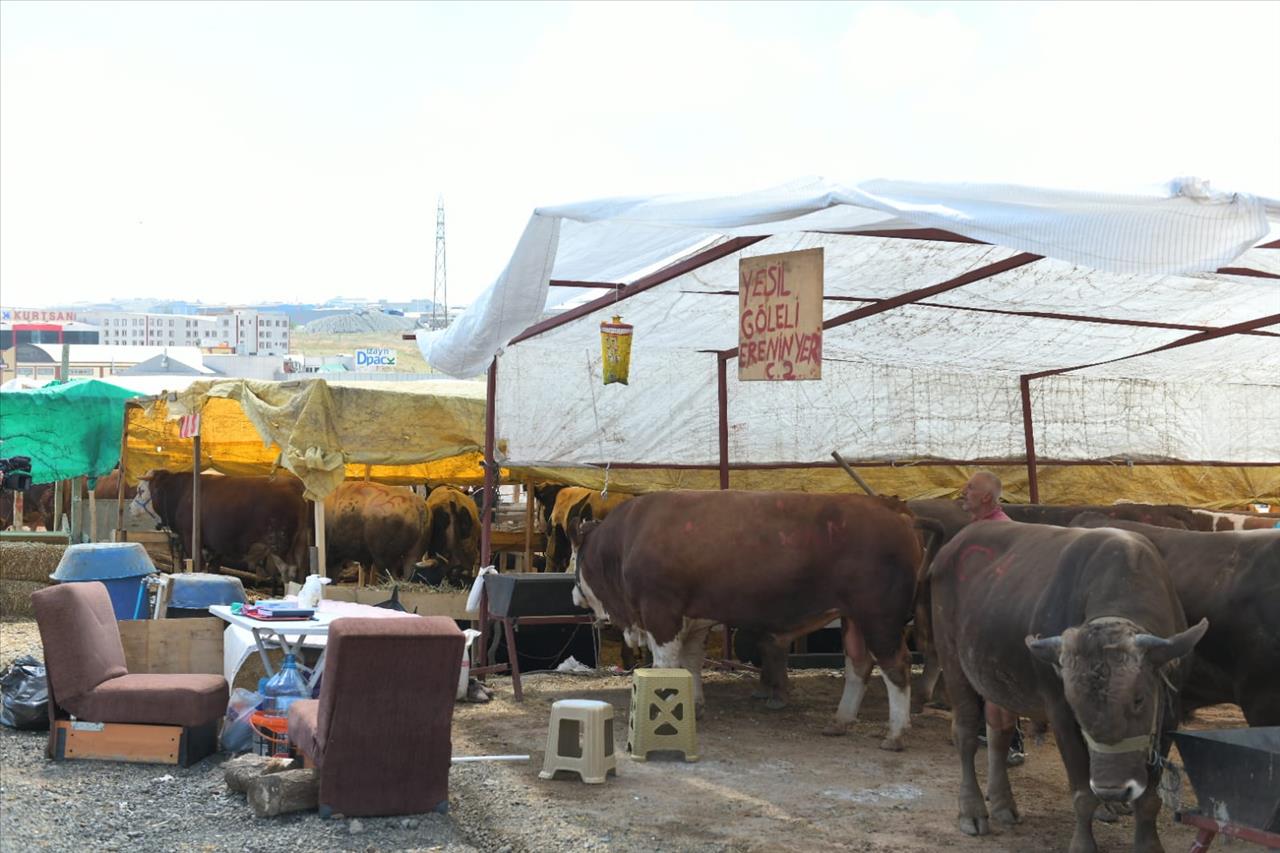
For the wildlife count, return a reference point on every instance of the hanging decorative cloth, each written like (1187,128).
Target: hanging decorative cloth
(615,347)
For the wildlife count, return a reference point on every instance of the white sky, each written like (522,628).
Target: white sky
(295,151)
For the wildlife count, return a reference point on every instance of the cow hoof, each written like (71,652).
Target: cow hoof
(974,825)
(760,693)
(1006,816)
(775,704)
(834,729)
(892,744)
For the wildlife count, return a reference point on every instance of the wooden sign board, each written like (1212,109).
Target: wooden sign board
(780,316)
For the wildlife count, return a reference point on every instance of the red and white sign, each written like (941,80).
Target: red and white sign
(25,315)
(189,426)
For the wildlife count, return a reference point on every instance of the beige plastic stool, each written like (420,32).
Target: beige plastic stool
(662,713)
(580,738)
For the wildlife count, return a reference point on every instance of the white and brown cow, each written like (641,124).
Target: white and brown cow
(666,567)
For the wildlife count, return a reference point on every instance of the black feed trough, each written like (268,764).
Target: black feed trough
(548,594)
(1235,774)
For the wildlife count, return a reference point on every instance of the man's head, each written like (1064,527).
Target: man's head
(981,494)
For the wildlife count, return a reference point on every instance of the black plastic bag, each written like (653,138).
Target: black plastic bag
(24,695)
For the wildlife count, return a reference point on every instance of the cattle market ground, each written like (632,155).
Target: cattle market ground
(767,780)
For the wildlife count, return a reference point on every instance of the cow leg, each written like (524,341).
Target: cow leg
(692,654)
(1075,757)
(857,668)
(896,672)
(773,674)
(965,719)
(1146,838)
(1000,728)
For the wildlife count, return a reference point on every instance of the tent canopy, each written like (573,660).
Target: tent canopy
(69,429)
(949,311)
(323,432)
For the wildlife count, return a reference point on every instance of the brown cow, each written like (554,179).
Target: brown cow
(1079,627)
(1233,580)
(381,527)
(253,523)
(569,504)
(1237,520)
(665,567)
(453,545)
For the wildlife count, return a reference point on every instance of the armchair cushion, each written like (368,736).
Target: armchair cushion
(170,700)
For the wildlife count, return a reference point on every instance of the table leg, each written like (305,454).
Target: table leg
(319,668)
(511,656)
(262,652)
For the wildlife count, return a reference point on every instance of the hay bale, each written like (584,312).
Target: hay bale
(15,598)
(29,561)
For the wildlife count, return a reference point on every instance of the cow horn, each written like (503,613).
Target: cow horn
(1046,649)
(1160,651)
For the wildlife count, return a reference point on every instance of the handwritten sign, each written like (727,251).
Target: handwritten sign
(780,316)
(375,358)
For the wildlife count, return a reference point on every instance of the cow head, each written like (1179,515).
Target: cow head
(545,495)
(1112,676)
(580,527)
(143,503)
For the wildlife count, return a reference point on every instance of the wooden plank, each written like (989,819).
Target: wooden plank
(122,742)
(451,604)
(173,645)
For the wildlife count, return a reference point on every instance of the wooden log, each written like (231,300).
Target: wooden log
(243,769)
(240,771)
(288,791)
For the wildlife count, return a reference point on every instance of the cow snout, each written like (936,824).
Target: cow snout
(1126,793)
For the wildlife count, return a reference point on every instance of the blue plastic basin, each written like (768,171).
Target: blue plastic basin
(120,566)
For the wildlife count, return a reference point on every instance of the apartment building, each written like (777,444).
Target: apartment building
(136,328)
(245,331)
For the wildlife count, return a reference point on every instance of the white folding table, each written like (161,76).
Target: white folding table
(281,629)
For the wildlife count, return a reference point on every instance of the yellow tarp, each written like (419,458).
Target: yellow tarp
(324,432)
(1189,485)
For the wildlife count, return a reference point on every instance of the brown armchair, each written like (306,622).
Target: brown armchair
(97,709)
(380,730)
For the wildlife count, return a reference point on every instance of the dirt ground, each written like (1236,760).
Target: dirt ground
(768,780)
(765,781)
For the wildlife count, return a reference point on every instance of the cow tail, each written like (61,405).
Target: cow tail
(932,535)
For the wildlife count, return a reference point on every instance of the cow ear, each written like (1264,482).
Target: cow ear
(1160,651)
(579,528)
(1046,649)
(147,476)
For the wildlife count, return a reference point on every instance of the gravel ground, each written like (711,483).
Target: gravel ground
(72,805)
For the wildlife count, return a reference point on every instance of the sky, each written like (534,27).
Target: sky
(251,152)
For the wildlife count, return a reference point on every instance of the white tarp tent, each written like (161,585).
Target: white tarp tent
(949,310)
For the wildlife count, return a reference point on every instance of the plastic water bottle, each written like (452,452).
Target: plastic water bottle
(285,687)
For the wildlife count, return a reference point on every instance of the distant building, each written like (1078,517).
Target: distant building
(245,331)
(41,326)
(91,361)
(139,328)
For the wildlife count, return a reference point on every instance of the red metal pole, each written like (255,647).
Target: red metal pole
(722,379)
(490,474)
(1028,432)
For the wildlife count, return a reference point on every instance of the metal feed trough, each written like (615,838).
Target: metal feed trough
(1236,777)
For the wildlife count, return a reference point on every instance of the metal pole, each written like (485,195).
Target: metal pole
(1028,432)
(722,404)
(848,469)
(196,561)
(59,489)
(490,475)
(528,525)
(17,509)
(93,516)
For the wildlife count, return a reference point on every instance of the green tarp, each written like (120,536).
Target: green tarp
(69,430)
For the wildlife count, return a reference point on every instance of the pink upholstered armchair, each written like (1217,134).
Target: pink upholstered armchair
(380,731)
(97,709)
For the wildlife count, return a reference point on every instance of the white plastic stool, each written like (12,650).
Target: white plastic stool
(580,739)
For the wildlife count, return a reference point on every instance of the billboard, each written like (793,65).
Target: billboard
(375,358)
